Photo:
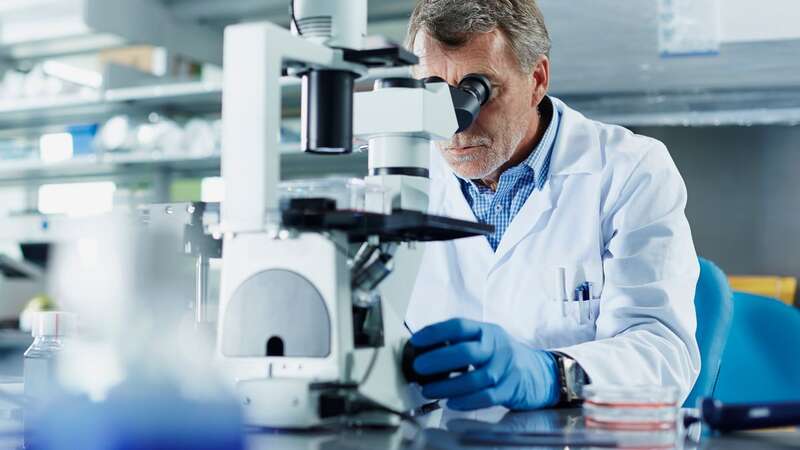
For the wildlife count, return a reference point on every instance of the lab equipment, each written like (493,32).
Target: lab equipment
(727,417)
(312,295)
(191,221)
(713,301)
(636,408)
(505,372)
(348,193)
(50,331)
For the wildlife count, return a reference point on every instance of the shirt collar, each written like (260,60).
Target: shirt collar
(539,159)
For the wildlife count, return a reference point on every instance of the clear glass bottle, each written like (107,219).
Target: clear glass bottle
(50,332)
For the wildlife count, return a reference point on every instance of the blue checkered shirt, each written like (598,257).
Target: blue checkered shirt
(516,184)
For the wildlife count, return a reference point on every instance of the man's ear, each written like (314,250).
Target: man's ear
(541,80)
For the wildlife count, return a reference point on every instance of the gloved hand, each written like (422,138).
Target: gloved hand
(506,372)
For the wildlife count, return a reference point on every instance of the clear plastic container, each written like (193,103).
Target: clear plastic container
(637,408)
(348,193)
(50,331)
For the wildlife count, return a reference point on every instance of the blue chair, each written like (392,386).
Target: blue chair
(761,362)
(714,309)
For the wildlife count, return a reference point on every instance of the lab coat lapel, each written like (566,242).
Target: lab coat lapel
(576,151)
(456,206)
(529,219)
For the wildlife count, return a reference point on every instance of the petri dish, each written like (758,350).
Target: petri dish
(635,408)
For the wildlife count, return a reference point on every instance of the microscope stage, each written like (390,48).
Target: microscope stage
(400,226)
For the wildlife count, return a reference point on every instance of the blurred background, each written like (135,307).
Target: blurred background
(107,103)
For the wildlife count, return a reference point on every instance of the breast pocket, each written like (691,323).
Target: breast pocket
(572,321)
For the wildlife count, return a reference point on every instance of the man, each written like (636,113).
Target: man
(570,199)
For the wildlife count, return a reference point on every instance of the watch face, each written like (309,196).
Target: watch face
(575,378)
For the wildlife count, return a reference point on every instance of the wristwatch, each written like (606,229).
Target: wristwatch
(572,379)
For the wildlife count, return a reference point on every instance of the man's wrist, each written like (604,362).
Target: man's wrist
(571,379)
(555,391)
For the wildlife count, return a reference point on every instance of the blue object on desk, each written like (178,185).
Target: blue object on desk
(139,416)
(739,417)
(761,362)
(714,309)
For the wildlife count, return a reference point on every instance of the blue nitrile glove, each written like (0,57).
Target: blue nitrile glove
(506,372)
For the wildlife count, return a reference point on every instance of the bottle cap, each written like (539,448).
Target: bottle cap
(54,323)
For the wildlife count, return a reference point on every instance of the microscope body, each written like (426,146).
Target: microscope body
(312,297)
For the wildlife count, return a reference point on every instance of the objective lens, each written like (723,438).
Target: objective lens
(327,114)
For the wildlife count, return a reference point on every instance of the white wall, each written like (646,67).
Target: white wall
(759,20)
(744,194)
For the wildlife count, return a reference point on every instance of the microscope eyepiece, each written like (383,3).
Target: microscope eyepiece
(477,85)
(472,92)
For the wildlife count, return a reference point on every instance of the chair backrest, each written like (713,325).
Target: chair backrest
(761,362)
(714,310)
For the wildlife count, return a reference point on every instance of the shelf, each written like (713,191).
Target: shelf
(36,29)
(294,164)
(28,171)
(193,97)
(190,97)
(32,228)
(178,92)
(696,108)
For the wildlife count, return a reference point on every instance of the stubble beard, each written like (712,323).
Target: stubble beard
(484,162)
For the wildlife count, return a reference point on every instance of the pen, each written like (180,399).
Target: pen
(561,283)
(588,296)
(580,294)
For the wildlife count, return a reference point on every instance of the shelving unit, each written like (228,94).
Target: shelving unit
(586,72)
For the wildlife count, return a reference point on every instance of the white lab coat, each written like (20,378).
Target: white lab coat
(612,213)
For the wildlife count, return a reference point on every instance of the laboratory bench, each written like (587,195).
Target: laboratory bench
(444,429)
(538,429)
(561,428)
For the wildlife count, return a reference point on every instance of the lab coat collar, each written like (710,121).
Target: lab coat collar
(577,147)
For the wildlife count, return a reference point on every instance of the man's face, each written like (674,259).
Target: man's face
(505,119)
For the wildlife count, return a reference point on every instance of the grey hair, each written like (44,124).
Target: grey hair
(454,22)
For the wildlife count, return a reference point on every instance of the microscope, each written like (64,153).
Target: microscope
(313,296)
